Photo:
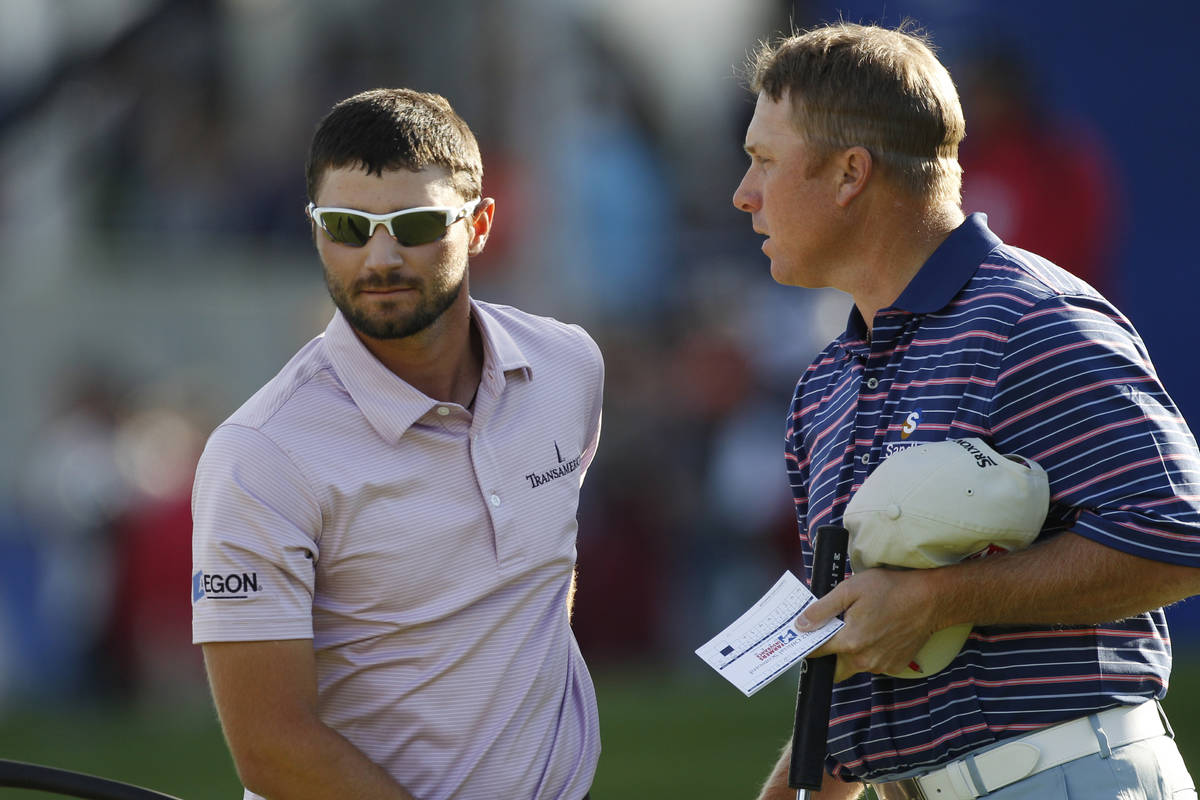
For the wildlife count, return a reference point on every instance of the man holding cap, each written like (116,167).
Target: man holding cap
(954,335)
(936,504)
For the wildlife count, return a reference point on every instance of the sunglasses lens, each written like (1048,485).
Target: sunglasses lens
(420,227)
(345,228)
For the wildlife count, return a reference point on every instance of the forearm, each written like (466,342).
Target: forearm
(1066,580)
(311,760)
(266,696)
(776,787)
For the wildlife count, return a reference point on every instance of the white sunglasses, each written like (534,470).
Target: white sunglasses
(410,226)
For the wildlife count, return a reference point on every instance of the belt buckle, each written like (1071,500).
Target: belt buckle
(903,789)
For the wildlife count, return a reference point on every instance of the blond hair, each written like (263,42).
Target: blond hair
(882,89)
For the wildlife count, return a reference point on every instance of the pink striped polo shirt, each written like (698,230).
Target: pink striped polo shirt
(426,550)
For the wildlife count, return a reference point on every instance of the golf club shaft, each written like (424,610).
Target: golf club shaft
(807,767)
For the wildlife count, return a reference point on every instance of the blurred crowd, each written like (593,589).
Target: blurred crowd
(612,163)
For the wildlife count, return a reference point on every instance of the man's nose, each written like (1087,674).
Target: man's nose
(382,249)
(746,196)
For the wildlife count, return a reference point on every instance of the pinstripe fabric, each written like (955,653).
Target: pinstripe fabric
(426,550)
(995,342)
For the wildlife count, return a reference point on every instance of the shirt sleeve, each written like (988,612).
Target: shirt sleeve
(256,526)
(1077,393)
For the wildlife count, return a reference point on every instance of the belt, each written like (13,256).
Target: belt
(978,774)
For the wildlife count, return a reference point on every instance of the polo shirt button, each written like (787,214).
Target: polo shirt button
(495,498)
(866,458)
(872,383)
(443,411)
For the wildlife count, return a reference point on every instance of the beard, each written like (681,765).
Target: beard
(389,320)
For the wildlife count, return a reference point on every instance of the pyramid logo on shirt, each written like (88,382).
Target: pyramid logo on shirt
(565,467)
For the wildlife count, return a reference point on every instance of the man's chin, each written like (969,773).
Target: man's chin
(789,273)
(388,319)
(781,274)
(384,326)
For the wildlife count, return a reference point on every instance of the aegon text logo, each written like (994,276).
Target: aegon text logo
(233,586)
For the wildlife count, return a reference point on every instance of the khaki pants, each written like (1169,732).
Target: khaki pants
(1150,769)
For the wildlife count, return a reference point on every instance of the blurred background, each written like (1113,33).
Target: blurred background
(156,269)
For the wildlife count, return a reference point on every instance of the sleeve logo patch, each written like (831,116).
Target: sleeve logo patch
(232,586)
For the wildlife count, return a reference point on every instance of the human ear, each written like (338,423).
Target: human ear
(481,225)
(312,225)
(855,168)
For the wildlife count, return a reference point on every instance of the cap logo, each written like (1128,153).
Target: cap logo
(924,507)
(982,459)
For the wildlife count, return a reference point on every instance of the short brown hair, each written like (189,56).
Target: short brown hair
(862,85)
(396,129)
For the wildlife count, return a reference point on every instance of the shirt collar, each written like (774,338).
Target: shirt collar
(499,348)
(940,278)
(391,404)
(949,268)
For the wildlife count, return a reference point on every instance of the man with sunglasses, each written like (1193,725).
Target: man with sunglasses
(854,181)
(384,540)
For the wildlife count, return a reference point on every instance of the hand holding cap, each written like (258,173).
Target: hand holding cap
(933,505)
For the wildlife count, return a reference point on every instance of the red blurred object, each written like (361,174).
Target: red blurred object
(1046,182)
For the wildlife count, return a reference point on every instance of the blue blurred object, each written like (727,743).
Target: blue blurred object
(1183,619)
(23,647)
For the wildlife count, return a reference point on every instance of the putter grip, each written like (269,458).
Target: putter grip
(807,767)
(66,783)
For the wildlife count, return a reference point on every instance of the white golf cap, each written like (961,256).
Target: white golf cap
(935,504)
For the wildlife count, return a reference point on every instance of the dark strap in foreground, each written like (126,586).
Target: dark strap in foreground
(19,775)
(807,767)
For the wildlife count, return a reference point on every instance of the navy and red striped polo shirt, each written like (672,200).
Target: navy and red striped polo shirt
(994,342)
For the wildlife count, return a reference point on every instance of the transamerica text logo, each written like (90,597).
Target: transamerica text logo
(565,467)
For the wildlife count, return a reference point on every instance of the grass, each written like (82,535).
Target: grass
(170,746)
(688,736)
(672,735)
